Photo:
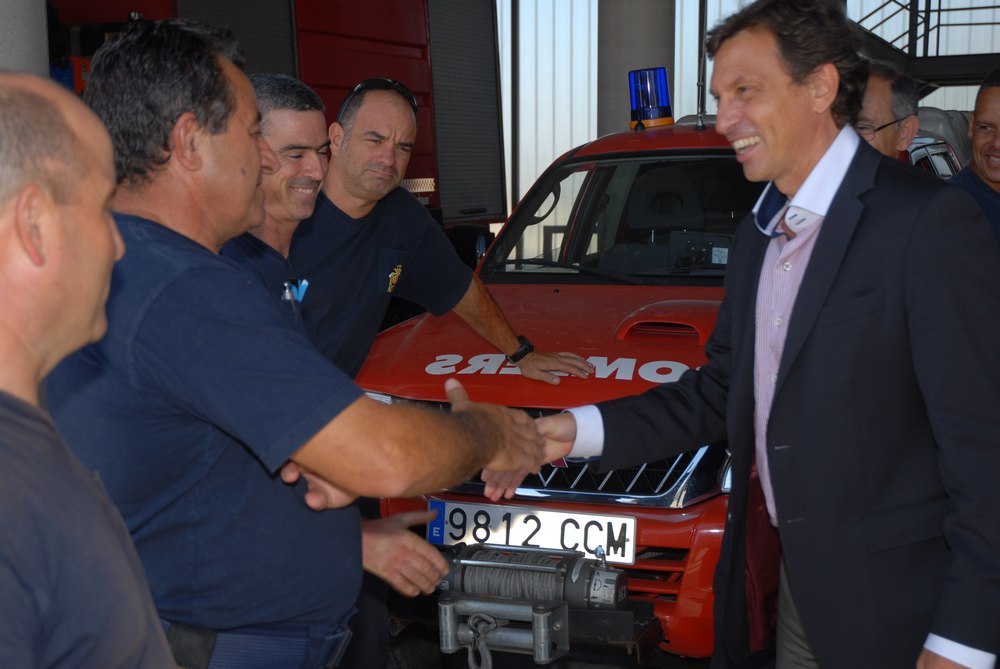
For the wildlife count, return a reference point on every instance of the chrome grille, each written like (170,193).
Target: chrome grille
(649,479)
(675,483)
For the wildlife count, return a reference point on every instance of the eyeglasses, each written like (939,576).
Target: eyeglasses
(868,131)
(379,84)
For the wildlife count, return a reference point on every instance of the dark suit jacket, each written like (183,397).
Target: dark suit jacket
(884,436)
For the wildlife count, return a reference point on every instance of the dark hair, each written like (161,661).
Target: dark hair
(991,80)
(905,92)
(36,145)
(349,107)
(280,91)
(810,33)
(147,76)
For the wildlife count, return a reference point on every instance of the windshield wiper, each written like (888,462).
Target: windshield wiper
(696,270)
(604,274)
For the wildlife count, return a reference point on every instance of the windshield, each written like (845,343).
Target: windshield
(653,219)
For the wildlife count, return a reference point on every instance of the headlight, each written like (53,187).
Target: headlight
(380,397)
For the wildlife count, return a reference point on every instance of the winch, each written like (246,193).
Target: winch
(519,600)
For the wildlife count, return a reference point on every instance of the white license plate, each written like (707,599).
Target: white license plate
(518,526)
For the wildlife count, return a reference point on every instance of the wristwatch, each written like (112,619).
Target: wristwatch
(524,349)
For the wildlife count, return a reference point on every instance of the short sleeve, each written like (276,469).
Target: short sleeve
(217,343)
(437,278)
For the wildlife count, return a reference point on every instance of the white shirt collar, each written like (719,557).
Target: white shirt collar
(812,201)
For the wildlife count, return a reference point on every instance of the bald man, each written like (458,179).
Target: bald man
(74,592)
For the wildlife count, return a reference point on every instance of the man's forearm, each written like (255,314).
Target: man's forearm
(378,451)
(481,312)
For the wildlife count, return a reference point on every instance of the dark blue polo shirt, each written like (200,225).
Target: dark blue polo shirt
(187,408)
(355,266)
(276,275)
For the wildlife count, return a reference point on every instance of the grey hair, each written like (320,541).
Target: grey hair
(905,92)
(36,145)
(280,91)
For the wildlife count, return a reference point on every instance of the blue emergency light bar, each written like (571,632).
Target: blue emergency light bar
(650,97)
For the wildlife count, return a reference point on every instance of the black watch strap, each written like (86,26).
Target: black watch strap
(524,349)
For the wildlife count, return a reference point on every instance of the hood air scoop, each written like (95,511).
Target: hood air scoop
(679,321)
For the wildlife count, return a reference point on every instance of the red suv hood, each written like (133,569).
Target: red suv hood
(637,337)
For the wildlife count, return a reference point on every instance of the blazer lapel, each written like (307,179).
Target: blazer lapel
(838,228)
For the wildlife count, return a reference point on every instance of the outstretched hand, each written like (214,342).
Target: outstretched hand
(559,431)
(519,445)
(399,557)
(321,494)
(539,366)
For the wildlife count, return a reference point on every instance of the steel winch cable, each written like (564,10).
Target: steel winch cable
(531,584)
(536,574)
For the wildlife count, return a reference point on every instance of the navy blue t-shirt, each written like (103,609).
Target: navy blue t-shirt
(275,273)
(187,408)
(987,198)
(354,267)
(72,591)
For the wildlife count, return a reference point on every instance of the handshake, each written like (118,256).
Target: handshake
(505,443)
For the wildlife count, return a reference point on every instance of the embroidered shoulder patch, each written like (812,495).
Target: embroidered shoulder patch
(394,278)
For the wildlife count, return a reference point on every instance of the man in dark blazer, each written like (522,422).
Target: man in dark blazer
(854,369)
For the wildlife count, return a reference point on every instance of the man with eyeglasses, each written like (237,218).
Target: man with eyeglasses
(367,241)
(982,176)
(888,119)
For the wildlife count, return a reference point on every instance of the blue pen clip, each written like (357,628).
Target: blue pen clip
(298,289)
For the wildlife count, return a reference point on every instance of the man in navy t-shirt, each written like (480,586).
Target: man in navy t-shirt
(982,176)
(72,590)
(369,240)
(294,127)
(204,396)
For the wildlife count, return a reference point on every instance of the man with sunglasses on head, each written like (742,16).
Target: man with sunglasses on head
(367,240)
(888,118)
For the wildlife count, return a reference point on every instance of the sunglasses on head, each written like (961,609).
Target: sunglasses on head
(379,84)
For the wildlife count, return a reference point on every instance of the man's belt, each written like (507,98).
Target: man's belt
(256,648)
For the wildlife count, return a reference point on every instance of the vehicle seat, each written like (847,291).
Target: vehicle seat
(661,200)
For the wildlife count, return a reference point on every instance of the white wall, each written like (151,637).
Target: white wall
(953,41)
(24,43)
(558,81)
